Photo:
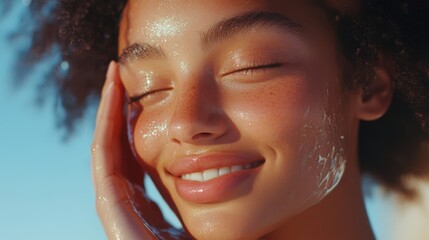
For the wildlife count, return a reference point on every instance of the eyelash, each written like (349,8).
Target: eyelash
(246,70)
(254,68)
(143,95)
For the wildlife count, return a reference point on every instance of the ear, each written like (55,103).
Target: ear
(376,98)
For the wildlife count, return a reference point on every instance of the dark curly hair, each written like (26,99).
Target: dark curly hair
(391,148)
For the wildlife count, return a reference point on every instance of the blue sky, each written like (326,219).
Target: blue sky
(45,184)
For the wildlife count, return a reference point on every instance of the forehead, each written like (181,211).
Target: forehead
(349,7)
(154,21)
(204,10)
(152,18)
(141,12)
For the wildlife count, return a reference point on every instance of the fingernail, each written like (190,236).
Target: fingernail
(109,78)
(110,70)
(109,87)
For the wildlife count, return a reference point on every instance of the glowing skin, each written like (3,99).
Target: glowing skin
(265,97)
(164,28)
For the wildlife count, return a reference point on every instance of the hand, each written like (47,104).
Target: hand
(121,202)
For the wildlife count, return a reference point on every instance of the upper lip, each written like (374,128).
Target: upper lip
(199,163)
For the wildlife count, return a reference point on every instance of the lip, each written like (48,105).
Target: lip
(199,163)
(218,189)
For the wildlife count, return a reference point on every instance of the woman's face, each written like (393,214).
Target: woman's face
(238,108)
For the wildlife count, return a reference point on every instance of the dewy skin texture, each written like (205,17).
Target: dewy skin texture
(326,155)
(254,87)
(165,28)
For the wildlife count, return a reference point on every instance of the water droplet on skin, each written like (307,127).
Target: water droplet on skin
(102,198)
(94,148)
(146,79)
(184,67)
(153,131)
(117,231)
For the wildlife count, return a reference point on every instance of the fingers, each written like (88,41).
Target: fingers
(106,146)
(112,77)
(103,148)
(121,203)
(112,200)
(109,149)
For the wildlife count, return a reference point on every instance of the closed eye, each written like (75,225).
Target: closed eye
(252,69)
(146,94)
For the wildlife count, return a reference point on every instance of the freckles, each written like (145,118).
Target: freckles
(273,111)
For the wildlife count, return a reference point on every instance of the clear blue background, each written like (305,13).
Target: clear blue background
(45,183)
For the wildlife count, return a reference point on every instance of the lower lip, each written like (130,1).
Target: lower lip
(218,189)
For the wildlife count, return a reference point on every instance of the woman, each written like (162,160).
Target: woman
(249,115)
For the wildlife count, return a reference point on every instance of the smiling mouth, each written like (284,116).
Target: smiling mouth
(213,173)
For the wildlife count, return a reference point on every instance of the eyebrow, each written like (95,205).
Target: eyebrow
(219,32)
(138,51)
(246,22)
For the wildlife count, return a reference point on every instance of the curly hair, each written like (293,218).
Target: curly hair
(390,149)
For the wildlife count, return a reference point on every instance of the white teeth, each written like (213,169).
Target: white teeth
(224,170)
(210,174)
(186,176)
(214,173)
(198,176)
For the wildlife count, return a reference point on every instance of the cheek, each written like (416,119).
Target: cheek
(274,112)
(301,122)
(149,134)
(323,147)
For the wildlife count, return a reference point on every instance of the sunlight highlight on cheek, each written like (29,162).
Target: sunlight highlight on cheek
(152,132)
(244,117)
(184,68)
(149,139)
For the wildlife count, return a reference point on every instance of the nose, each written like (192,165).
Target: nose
(198,117)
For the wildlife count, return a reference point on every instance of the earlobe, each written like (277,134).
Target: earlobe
(377,96)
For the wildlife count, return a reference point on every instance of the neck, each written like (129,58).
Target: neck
(340,215)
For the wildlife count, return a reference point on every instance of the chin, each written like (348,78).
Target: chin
(215,228)
(233,220)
